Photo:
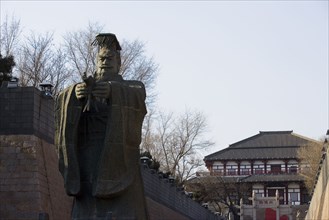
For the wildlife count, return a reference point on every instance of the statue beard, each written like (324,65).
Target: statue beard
(106,75)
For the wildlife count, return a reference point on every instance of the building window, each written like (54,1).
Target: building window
(276,168)
(259,171)
(258,168)
(245,172)
(294,196)
(231,172)
(231,169)
(218,172)
(218,169)
(258,192)
(271,192)
(258,195)
(245,168)
(293,166)
(293,169)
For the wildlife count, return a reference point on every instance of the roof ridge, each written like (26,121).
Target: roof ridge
(243,140)
(220,151)
(276,132)
(260,134)
(267,147)
(306,138)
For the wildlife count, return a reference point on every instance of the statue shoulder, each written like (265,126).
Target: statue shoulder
(134,84)
(68,89)
(65,93)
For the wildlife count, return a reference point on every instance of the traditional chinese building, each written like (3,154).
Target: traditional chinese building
(268,162)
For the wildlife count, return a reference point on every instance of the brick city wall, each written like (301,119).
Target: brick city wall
(26,110)
(30,183)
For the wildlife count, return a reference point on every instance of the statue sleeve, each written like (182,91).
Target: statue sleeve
(67,114)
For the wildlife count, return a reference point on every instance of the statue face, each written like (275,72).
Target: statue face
(108,63)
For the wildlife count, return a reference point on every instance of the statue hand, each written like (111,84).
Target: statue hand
(102,90)
(81,90)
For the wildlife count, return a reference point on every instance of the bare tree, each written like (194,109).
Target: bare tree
(177,142)
(60,75)
(148,135)
(137,66)
(310,156)
(35,58)
(81,54)
(10,32)
(190,129)
(219,192)
(9,36)
(40,61)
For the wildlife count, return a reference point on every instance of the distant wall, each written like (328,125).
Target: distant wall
(319,207)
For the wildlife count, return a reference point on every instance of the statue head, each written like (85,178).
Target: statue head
(108,59)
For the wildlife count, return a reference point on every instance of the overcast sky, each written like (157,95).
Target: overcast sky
(249,66)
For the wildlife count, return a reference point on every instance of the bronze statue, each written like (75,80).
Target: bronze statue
(98,132)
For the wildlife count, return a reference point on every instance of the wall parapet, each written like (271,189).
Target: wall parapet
(164,191)
(26,111)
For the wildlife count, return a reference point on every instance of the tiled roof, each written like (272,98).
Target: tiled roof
(265,145)
(251,179)
(215,179)
(273,178)
(254,153)
(272,139)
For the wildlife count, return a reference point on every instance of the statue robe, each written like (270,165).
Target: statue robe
(116,186)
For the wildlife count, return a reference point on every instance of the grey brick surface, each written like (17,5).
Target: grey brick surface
(25,110)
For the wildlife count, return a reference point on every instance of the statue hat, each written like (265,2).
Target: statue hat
(106,40)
